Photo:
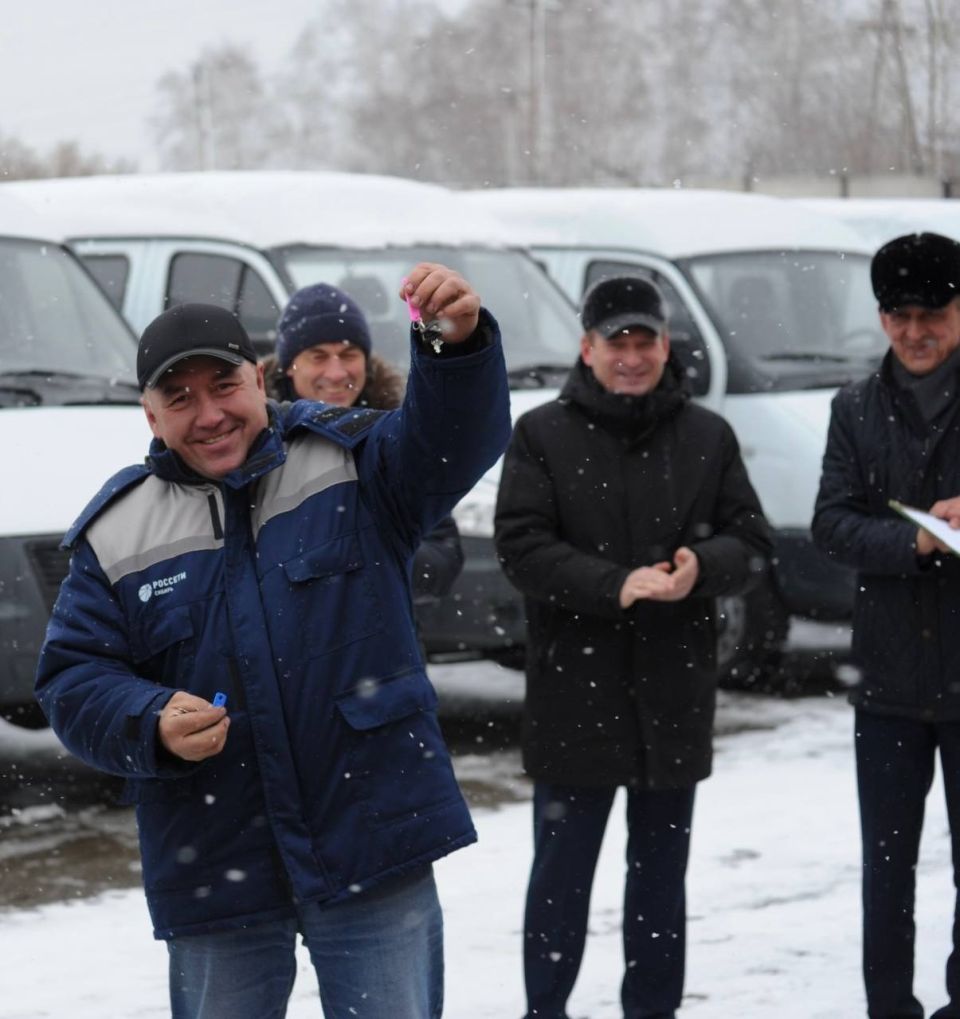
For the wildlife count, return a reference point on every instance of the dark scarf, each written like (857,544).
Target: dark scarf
(630,417)
(933,393)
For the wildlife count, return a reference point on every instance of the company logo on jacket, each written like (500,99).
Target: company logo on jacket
(158,587)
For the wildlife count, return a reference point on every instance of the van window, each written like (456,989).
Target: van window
(229,283)
(209,279)
(538,324)
(111,272)
(791,319)
(256,308)
(686,341)
(55,320)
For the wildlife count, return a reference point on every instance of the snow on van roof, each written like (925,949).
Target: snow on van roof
(264,209)
(17,219)
(881,219)
(668,222)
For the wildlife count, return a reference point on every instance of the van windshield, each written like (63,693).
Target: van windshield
(791,319)
(540,327)
(56,325)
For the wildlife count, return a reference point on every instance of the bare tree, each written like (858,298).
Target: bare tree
(316,89)
(65,159)
(18,160)
(216,114)
(581,92)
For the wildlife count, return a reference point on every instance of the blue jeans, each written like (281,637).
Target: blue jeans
(569,822)
(895,762)
(378,956)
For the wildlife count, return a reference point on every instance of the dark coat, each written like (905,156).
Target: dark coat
(906,622)
(285,585)
(595,485)
(439,559)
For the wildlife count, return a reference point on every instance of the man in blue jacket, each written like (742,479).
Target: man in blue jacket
(896,435)
(264,554)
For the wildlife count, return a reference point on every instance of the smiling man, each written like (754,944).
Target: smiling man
(896,435)
(263,553)
(624,510)
(209,406)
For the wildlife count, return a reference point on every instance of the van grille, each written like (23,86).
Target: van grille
(50,564)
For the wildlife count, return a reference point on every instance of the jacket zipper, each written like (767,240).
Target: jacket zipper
(215,516)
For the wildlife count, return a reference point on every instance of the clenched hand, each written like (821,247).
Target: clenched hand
(192,728)
(440,293)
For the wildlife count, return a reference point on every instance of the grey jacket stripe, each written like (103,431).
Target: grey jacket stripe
(159,519)
(151,523)
(158,553)
(313,465)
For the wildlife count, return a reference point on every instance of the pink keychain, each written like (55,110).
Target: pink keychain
(431,331)
(414,312)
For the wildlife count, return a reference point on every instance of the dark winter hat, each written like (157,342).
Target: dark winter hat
(316,314)
(623,302)
(191,330)
(922,269)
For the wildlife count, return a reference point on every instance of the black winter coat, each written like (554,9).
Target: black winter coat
(595,485)
(906,621)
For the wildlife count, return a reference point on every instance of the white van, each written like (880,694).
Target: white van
(69,419)
(247,240)
(879,220)
(771,310)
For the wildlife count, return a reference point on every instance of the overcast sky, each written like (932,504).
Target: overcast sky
(88,70)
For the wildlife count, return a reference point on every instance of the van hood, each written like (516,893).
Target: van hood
(782,438)
(57,458)
(474,513)
(809,409)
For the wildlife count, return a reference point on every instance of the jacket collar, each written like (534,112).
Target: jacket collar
(631,416)
(905,399)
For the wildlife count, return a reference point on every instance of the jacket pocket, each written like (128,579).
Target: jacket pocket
(335,599)
(325,562)
(397,762)
(157,790)
(163,646)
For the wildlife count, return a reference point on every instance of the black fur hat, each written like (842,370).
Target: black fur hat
(921,269)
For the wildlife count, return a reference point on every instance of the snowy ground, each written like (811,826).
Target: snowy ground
(773,899)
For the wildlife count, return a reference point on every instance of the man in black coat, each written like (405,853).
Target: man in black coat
(896,435)
(624,510)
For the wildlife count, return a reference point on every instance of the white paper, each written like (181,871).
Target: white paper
(940,529)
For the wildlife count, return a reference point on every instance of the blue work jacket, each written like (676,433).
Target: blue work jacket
(286,586)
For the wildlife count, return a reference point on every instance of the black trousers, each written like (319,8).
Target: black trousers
(568,823)
(895,764)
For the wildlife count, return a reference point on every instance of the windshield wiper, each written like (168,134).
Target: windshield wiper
(536,376)
(80,388)
(24,396)
(56,375)
(806,355)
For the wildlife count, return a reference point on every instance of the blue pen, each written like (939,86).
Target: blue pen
(219,699)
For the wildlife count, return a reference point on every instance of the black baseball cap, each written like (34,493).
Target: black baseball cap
(623,302)
(921,269)
(191,330)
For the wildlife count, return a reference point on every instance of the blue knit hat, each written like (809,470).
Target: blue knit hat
(316,314)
